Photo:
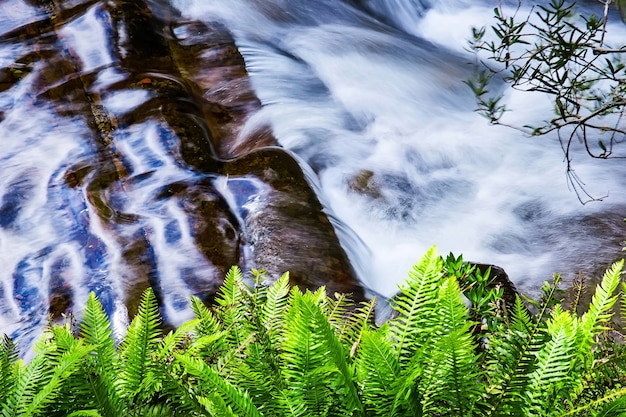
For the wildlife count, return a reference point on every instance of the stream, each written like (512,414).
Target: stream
(155,143)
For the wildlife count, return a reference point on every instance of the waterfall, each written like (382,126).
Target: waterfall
(371,95)
(133,154)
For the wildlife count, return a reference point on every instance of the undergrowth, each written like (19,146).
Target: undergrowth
(273,350)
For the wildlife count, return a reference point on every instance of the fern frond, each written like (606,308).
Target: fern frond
(8,367)
(336,309)
(512,356)
(519,317)
(95,329)
(29,378)
(209,378)
(291,406)
(274,306)
(102,365)
(553,361)
(176,388)
(260,371)
(602,301)
(336,356)
(141,340)
(208,324)
(358,322)
(230,292)
(378,371)
(66,365)
(216,406)
(234,310)
(416,306)
(451,373)
(613,405)
(304,356)
(174,339)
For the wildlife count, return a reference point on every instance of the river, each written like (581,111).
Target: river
(367,96)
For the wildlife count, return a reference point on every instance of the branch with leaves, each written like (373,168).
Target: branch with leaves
(564,54)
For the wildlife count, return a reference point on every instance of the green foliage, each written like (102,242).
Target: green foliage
(272,350)
(565,54)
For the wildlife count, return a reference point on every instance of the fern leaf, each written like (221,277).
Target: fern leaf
(174,339)
(260,371)
(553,361)
(30,378)
(304,355)
(230,394)
(230,291)
(102,363)
(8,367)
(67,364)
(336,309)
(235,308)
(291,406)
(357,323)
(613,405)
(416,305)
(511,358)
(95,329)
(141,339)
(520,319)
(603,300)
(451,372)
(336,356)
(616,407)
(274,306)
(208,324)
(216,406)
(378,371)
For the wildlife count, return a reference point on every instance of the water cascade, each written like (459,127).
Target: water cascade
(154,143)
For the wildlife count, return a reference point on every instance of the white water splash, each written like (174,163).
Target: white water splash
(363,101)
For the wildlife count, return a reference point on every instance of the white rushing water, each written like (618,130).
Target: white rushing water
(378,108)
(369,95)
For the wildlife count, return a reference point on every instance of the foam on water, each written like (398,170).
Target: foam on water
(374,97)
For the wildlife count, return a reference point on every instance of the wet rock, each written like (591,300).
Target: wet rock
(365,183)
(208,58)
(286,227)
(160,117)
(214,227)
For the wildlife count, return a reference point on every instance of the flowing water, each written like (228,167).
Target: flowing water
(372,98)
(104,188)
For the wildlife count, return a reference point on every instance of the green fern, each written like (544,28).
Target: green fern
(102,365)
(62,367)
(378,371)
(599,312)
(416,307)
(221,392)
(304,356)
(141,340)
(9,368)
(553,363)
(267,350)
(451,372)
